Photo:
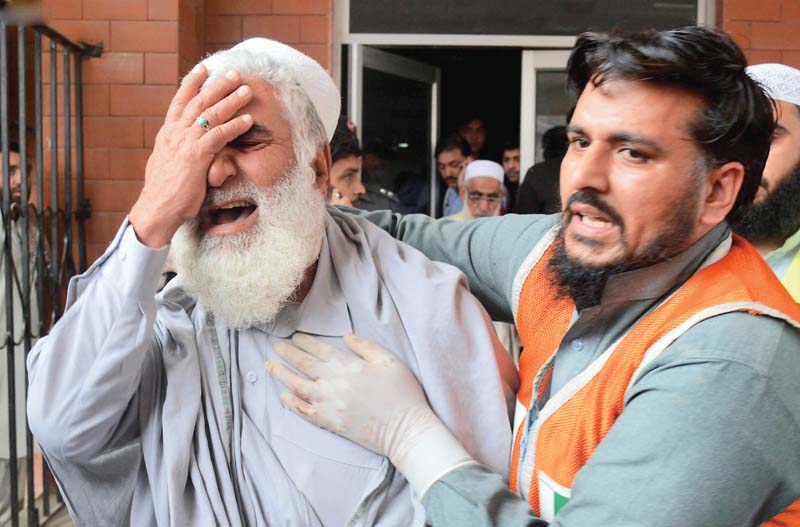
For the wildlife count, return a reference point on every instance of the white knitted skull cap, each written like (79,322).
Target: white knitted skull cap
(779,81)
(312,77)
(484,168)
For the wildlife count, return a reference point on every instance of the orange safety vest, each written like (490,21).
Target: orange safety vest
(574,421)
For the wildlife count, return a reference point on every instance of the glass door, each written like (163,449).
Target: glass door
(545,101)
(394,102)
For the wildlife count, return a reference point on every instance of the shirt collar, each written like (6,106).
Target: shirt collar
(657,280)
(324,310)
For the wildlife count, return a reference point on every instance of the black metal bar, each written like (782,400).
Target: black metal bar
(40,254)
(79,163)
(82,48)
(53,216)
(25,294)
(67,156)
(40,258)
(54,294)
(9,283)
(45,254)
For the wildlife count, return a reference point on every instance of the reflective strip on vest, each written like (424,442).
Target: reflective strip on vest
(544,478)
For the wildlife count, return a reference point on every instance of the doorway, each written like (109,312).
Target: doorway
(404,98)
(476,82)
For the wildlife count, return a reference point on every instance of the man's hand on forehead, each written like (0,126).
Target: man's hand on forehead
(198,125)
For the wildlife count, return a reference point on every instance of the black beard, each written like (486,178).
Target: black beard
(777,216)
(585,283)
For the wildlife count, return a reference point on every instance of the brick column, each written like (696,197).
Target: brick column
(767,30)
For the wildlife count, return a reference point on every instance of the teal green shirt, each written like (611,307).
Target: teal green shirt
(710,434)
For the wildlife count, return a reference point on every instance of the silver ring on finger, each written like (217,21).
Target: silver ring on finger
(202,122)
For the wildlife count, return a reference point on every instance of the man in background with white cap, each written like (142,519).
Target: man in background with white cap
(156,410)
(483,191)
(772,223)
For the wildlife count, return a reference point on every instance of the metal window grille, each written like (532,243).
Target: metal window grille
(42,227)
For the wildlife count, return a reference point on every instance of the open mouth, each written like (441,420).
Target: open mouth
(229,217)
(231,213)
(590,222)
(598,222)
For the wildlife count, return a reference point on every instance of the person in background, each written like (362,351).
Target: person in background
(510,160)
(483,193)
(345,187)
(538,192)
(451,154)
(474,132)
(12,226)
(772,223)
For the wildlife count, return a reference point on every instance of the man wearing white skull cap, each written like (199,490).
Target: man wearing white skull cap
(483,191)
(772,223)
(482,195)
(155,409)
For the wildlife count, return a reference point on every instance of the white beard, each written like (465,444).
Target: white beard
(244,279)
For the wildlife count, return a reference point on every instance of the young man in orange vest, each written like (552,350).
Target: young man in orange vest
(661,354)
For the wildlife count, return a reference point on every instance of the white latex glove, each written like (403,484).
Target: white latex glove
(372,399)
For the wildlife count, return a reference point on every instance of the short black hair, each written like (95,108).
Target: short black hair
(511,144)
(555,143)
(344,143)
(452,142)
(13,146)
(737,122)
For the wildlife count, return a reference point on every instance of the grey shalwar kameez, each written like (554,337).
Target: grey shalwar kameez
(152,413)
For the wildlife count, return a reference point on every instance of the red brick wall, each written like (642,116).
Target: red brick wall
(126,92)
(191,33)
(304,24)
(768,30)
(147,45)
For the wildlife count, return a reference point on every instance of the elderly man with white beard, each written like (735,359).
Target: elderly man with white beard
(156,410)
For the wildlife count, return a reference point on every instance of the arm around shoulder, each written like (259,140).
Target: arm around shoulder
(489,251)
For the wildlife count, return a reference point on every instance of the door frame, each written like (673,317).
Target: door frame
(534,61)
(362,56)
(539,52)
(706,15)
